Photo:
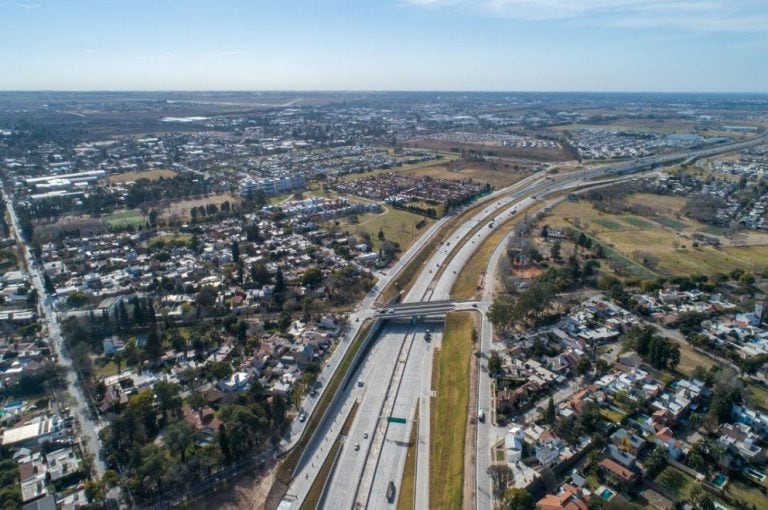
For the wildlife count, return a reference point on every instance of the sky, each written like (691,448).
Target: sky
(508,45)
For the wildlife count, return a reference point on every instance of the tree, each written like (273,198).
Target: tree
(168,398)
(94,491)
(154,346)
(279,282)
(252,233)
(196,401)
(312,277)
(550,414)
(48,284)
(235,251)
(501,477)
(220,370)
(656,461)
(224,442)
(381,234)
(517,499)
(583,366)
(494,364)
(76,299)
(179,437)
(701,499)
(554,252)
(259,274)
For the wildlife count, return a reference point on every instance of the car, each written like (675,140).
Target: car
(302,417)
(360,383)
(365,435)
(357,319)
(474,305)
(390,310)
(313,393)
(357,446)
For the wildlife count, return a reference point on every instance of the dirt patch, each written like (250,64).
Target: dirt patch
(180,210)
(246,493)
(526,272)
(146,174)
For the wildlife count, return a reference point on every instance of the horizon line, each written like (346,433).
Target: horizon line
(390,91)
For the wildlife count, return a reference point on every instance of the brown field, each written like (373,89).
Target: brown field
(629,234)
(498,175)
(662,204)
(690,359)
(633,125)
(135,176)
(534,153)
(181,209)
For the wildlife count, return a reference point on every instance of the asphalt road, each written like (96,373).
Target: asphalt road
(88,426)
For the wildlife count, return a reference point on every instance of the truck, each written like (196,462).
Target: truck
(391,492)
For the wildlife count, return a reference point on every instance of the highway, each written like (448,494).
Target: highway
(89,429)
(381,458)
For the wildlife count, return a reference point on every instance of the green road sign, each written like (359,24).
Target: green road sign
(392,419)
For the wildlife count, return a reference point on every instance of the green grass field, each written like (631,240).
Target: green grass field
(676,482)
(757,395)
(609,224)
(398,226)
(637,222)
(448,419)
(125,218)
(669,222)
(745,494)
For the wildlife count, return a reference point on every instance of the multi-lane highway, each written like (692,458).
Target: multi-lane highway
(406,362)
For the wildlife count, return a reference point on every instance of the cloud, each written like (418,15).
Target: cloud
(692,15)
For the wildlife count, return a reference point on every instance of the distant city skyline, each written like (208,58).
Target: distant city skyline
(456,45)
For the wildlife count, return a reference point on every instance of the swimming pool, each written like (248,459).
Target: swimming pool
(754,474)
(719,480)
(605,493)
(16,404)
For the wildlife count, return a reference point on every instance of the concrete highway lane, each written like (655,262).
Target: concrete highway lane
(375,374)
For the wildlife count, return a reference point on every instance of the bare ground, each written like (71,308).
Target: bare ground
(246,493)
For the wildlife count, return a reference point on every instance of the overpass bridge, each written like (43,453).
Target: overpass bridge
(426,309)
